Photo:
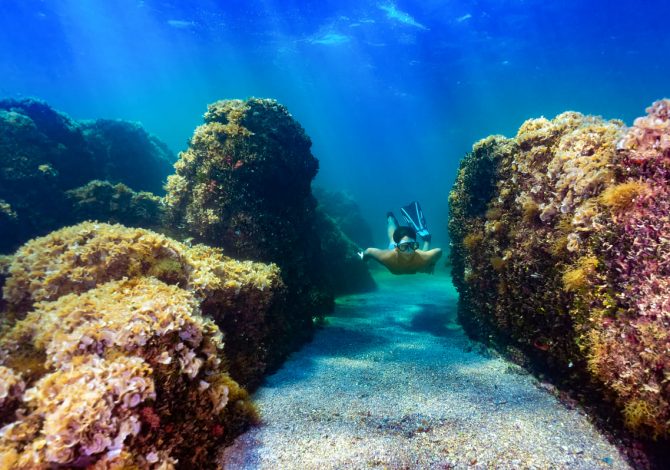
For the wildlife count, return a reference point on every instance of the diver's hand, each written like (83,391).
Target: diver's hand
(361,255)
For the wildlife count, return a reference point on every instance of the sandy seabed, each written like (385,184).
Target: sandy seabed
(393,382)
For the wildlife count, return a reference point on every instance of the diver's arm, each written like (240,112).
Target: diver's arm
(374,253)
(434,254)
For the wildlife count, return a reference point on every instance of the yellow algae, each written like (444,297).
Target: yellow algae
(622,196)
(77,258)
(577,278)
(122,354)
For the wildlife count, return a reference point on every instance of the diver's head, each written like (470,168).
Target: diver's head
(405,240)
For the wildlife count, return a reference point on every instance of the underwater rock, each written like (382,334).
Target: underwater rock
(240,296)
(344,210)
(244,185)
(45,153)
(346,274)
(5,261)
(128,154)
(115,203)
(126,374)
(40,151)
(561,247)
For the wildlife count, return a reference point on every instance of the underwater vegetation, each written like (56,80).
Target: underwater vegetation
(121,347)
(45,154)
(244,185)
(112,349)
(238,295)
(115,203)
(561,249)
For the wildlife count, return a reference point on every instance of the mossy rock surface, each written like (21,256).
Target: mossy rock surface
(559,241)
(244,184)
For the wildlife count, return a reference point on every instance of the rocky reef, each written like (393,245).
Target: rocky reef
(122,348)
(244,185)
(343,209)
(239,295)
(561,249)
(116,203)
(46,153)
(125,152)
(345,273)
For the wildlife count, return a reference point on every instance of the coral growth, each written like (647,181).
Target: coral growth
(579,278)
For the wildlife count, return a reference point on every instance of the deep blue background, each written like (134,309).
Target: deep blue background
(391,95)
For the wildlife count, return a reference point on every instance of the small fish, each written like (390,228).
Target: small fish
(393,13)
(330,39)
(543,344)
(181,24)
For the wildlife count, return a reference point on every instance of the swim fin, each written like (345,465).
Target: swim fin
(414,216)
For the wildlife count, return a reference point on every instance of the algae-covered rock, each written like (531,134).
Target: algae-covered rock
(127,153)
(46,153)
(346,213)
(115,203)
(244,185)
(241,296)
(5,261)
(128,349)
(560,248)
(345,274)
(130,375)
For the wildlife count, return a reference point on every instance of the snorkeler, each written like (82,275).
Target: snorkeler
(403,255)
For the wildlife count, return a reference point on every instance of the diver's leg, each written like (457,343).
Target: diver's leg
(391,225)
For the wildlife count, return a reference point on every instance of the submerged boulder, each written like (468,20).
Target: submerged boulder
(122,347)
(46,153)
(345,273)
(126,153)
(561,242)
(239,295)
(115,203)
(343,209)
(244,185)
(127,374)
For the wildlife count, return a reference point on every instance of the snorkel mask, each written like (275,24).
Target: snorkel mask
(404,247)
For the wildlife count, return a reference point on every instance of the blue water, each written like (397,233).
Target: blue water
(392,94)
